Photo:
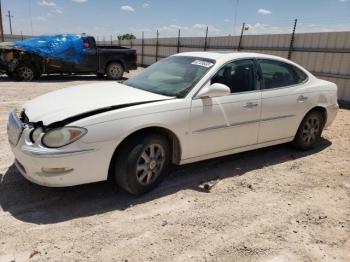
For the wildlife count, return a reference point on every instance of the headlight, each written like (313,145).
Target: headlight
(35,134)
(63,136)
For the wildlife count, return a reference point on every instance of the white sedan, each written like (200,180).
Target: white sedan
(185,108)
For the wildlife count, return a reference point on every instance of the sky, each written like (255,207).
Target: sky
(106,18)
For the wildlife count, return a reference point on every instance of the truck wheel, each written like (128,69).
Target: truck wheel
(25,73)
(115,71)
(142,163)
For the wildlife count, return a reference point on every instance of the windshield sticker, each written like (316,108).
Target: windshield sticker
(202,63)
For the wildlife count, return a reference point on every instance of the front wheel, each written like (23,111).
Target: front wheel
(115,71)
(142,163)
(309,131)
(25,73)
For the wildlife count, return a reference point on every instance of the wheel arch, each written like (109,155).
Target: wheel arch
(174,142)
(320,109)
(120,61)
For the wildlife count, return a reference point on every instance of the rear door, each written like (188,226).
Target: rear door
(284,99)
(232,121)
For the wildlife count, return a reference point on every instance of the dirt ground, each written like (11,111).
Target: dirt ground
(273,204)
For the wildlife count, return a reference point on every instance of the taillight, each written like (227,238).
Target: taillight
(134,58)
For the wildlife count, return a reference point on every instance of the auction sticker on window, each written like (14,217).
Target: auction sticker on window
(202,63)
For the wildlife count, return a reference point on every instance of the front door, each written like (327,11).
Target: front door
(232,121)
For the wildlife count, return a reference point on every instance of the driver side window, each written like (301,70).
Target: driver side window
(239,76)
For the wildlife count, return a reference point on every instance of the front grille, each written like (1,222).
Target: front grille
(14,128)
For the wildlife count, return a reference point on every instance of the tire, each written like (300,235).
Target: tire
(115,71)
(309,131)
(25,73)
(139,170)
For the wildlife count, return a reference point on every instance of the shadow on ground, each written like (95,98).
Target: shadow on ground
(41,205)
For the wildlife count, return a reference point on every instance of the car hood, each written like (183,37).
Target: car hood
(69,102)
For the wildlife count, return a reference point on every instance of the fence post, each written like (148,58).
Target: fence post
(291,45)
(240,38)
(1,26)
(206,39)
(142,48)
(178,42)
(157,44)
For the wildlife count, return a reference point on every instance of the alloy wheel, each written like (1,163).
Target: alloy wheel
(115,71)
(311,130)
(150,164)
(25,73)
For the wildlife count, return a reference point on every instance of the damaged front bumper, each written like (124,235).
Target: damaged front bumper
(67,166)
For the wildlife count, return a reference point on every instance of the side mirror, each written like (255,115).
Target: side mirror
(214,90)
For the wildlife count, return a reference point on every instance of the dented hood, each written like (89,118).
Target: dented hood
(69,102)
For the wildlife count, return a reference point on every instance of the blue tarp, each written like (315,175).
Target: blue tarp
(68,48)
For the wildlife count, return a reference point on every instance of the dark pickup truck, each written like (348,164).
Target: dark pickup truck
(112,61)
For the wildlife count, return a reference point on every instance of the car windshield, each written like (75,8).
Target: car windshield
(172,76)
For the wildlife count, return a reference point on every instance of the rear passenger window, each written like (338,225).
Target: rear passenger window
(300,75)
(279,74)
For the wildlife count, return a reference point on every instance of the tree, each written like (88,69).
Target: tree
(126,37)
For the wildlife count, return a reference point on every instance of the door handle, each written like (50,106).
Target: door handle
(302,98)
(250,105)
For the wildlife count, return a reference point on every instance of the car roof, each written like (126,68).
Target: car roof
(230,55)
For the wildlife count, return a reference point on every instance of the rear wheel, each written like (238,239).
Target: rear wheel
(309,131)
(115,71)
(142,163)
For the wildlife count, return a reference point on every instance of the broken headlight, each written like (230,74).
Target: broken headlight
(62,136)
(35,134)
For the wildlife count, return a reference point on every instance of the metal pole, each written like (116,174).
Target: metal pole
(22,35)
(291,45)
(206,39)
(111,40)
(142,48)
(240,39)
(1,26)
(130,42)
(178,42)
(10,22)
(157,44)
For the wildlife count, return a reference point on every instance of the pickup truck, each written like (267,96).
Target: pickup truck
(112,61)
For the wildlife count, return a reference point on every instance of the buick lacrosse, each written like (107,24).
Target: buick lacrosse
(185,108)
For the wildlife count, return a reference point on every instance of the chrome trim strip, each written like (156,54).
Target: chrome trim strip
(276,118)
(47,153)
(241,123)
(225,126)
